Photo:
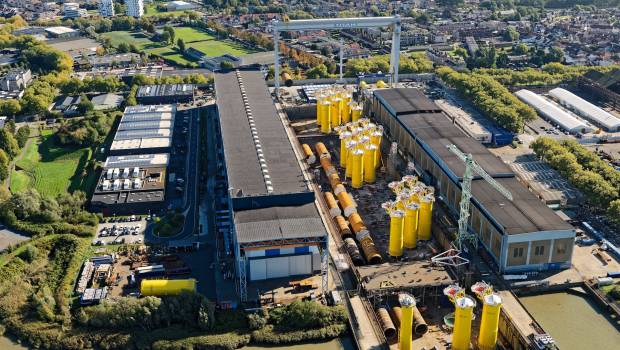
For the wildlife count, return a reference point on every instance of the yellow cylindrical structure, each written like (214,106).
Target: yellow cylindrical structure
(370,173)
(375,139)
(346,203)
(363,85)
(339,189)
(326,127)
(334,209)
(344,138)
(319,110)
(356,113)
(351,146)
(343,227)
(410,225)
(463,315)
(357,171)
(381,84)
(396,233)
(425,218)
(492,305)
(346,108)
(406,322)
(334,113)
(166,287)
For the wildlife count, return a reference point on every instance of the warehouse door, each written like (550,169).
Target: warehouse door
(300,264)
(277,267)
(258,270)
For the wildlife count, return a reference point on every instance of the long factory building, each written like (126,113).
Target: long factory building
(519,235)
(144,129)
(276,227)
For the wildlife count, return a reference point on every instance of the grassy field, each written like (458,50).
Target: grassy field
(193,37)
(152,11)
(50,168)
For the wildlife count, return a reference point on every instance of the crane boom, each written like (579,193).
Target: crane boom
(471,167)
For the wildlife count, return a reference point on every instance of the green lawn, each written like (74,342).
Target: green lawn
(152,11)
(193,37)
(50,168)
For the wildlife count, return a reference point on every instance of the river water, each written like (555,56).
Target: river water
(574,321)
(335,344)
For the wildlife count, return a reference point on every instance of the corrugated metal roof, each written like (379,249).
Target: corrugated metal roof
(407,101)
(245,174)
(137,160)
(586,109)
(145,125)
(267,224)
(552,112)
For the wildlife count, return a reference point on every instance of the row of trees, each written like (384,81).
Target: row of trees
(549,74)
(600,183)
(11,141)
(412,63)
(490,97)
(141,79)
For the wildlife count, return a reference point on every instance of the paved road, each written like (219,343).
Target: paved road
(191,189)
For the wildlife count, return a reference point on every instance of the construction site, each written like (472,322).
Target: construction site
(414,258)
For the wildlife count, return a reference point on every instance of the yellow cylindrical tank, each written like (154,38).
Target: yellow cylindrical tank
(346,108)
(166,287)
(410,229)
(396,233)
(357,173)
(463,315)
(491,306)
(375,138)
(407,303)
(356,113)
(370,173)
(363,85)
(346,203)
(425,218)
(351,146)
(326,127)
(332,204)
(334,115)
(381,84)
(344,138)
(319,110)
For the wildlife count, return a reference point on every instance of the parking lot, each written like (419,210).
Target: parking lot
(121,231)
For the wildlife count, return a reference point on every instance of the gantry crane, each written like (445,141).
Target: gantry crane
(471,167)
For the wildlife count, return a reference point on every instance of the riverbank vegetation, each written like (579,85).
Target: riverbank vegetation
(37,306)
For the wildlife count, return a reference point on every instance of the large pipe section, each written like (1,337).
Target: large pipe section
(332,204)
(387,326)
(343,227)
(324,107)
(410,225)
(346,203)
(370,250)
(420,327)
(354,252)
(370,173)
(426,209)
(407,304)
(310,158)
(357,224)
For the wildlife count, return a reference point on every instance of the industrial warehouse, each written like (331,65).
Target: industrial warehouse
(144,129)
(131,184)
(165,93)
(276,230)
(520,234)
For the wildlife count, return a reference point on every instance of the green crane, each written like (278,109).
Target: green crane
(471,167)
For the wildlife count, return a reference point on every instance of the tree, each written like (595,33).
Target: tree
(4,166)
(613,212)
(123,47)
(45,59)
(170,31)
(85,105)
(521,49)
(317,72)
(165,37)
(8,143)
(10,107)
(226,65)
(181,44)
(511,34)
(22,135)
